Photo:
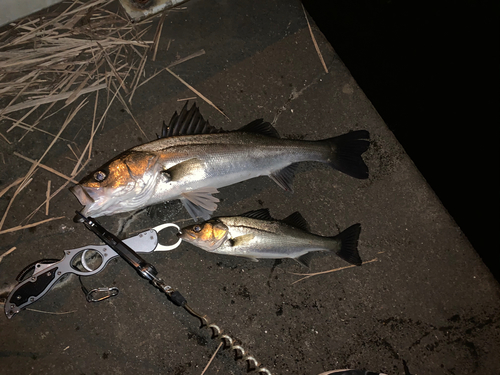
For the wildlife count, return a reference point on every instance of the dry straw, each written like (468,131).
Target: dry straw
(53,61)
(59,56)
(56,59)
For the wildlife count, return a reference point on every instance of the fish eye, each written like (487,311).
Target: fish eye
(100,176)
(196,228)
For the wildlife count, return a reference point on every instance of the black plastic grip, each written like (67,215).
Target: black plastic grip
(177,298)
(33,288)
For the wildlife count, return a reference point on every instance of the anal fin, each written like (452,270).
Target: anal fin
(284,177)
(305,259)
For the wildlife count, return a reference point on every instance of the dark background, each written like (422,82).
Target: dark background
(431,69)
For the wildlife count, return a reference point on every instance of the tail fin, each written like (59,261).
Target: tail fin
(347,150)
(349,244)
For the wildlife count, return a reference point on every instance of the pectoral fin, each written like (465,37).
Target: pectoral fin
(186,168)
(242,240)
(200,203)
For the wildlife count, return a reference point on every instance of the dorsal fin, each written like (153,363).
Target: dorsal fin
(296,220)
(260,127)
(261,214)
(188,122)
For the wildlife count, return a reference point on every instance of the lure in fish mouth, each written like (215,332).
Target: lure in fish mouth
(192,159)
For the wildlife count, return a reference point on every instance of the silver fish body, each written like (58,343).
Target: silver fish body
(256,235)
(192,160)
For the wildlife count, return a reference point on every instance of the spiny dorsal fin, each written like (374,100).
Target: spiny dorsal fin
(261,214)
(260,127)
(296,220)
(187,123)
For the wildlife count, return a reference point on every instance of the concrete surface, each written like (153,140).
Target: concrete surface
(14,9)
(427,306)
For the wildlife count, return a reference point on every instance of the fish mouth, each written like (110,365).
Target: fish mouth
(81,194)
(83,197)
(186,236)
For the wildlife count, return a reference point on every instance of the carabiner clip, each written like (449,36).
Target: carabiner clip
(106,293)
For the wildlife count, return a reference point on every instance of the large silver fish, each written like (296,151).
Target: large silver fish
(256,235)
(192,159)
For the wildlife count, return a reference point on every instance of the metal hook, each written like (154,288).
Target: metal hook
(161,247)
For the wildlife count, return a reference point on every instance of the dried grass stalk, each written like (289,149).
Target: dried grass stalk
(47,168)
(25,181)
(36,163)
(156,39)
(50,99)
(197,92)
(211,359)
(7,188)
(21,227)
(314,41)
(7,253)
(176,62)
(308,275)
(47,195)
(50,57)
(5,139)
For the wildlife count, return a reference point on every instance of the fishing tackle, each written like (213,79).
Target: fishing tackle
(229,343)
(149,272)
(38,278)
(98,294)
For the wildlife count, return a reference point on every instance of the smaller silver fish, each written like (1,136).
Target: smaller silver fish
(256,235)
